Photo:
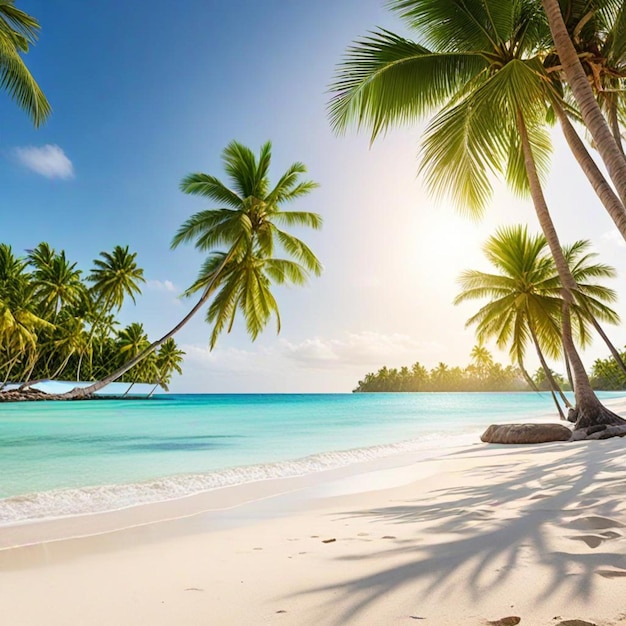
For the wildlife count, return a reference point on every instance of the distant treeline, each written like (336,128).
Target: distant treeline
(490,377)
(607,375)
(483,375)
(58,322)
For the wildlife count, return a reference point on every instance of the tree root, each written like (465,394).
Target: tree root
(598,415)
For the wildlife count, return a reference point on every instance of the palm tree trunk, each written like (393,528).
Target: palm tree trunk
(604,191)
(614,121)
(607,341)
(78,392)
(10,365)
(527,377)
(26,384)
(568,369)
(587,402)
(583,93)
(131,386)
(153,390)
(554,386)
(587,411)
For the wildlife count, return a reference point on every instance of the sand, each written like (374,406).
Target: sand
(472,536)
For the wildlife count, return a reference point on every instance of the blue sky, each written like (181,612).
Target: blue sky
(145,92)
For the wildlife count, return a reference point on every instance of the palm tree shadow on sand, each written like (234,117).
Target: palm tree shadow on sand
(486,530)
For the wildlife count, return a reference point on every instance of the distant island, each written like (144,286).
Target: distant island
(482,374)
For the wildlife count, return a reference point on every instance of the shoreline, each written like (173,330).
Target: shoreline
(529,531)
(269,479)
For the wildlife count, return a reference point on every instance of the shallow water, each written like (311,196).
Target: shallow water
(64,458)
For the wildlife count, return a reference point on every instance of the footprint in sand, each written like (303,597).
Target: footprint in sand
(593,522)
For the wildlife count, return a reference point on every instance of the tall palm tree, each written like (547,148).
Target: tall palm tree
(248,224)
(524,304)
(525,295)
(478,64)
(597,30)
(582,91)
(18,31)
(57,282)
(115,276)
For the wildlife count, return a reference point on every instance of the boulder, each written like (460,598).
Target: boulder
(526,433)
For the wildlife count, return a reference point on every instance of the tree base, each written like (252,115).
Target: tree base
(596,415)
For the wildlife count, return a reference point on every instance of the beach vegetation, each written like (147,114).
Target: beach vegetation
(481,374)
(479,70)
(524,298)
(58,322)
(589,61)
(245,245)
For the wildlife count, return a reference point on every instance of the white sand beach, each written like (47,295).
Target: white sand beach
(475,535)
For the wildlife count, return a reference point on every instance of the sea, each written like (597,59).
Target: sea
(68,458)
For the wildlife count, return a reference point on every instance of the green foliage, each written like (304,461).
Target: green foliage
(482,374)
(18,31)
(57,324)
(248,228)
(523,294)
(607,375)
(477,67)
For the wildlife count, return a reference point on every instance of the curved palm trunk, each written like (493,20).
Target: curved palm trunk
(10,365)
(587,412)
(568,369)
(53,376)
(131,386)
(527,377)
(153,390)
(587,403)
(554,386)
(616,355)
(78,392)
(614,121)
(604,191)
(583,93)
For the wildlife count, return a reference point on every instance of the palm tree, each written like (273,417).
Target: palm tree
(479,65)
(525,302)
(131,341)
(168,360)
(248,225)
(18,31)
(597,31)
(525,295)
(590,110)
(57,282)
(115,276)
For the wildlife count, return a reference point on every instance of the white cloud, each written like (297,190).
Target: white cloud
(49,161)
(161,285)
(365,349)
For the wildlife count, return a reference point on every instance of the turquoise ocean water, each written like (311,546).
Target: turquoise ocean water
(66,458)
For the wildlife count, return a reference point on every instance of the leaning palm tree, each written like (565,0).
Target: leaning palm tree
(248,225)
(597,30)
(18,31)
(582,91)
(478,65)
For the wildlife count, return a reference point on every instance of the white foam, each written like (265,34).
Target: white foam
(97,499)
